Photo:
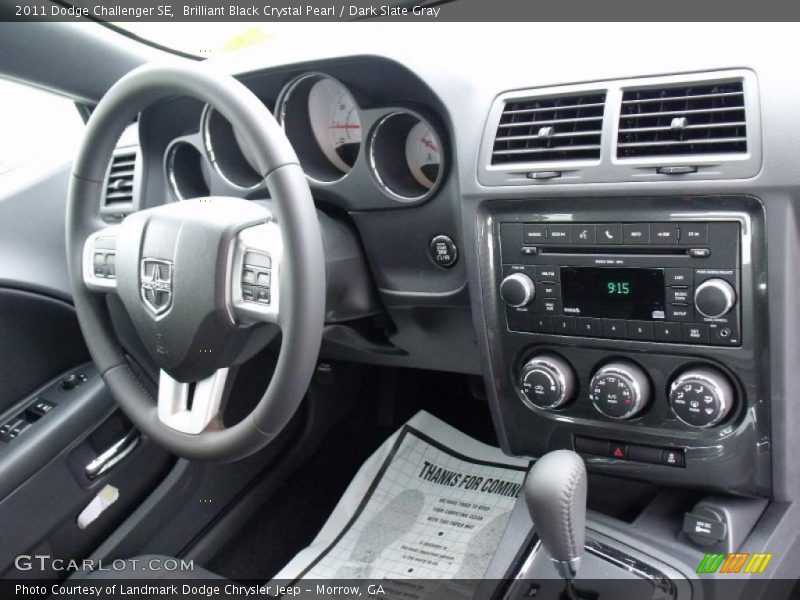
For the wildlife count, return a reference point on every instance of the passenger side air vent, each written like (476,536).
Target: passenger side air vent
(691,119)
(549,129)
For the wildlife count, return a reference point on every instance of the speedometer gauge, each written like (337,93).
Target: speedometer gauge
(334,119)
(406,156)
(423,154)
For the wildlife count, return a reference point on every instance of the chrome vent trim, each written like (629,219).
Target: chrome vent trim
(689,119)
(727,118)
(543,129)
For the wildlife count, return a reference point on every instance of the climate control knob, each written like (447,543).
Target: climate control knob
(701,397)
(620,390)
(547,381)
(714,298)
(517,290)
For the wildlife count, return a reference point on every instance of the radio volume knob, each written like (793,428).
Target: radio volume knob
(620,390)
(714,298)
(547,381)
(517,290)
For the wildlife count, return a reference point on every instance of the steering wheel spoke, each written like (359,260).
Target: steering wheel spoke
(186,410)
(99,260)
(255,281)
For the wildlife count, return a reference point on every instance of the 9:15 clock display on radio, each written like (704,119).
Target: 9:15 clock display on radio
(613,292)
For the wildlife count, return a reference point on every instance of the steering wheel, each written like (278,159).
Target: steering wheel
(182,272)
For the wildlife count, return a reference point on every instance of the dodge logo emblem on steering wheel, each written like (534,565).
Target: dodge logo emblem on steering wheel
(156,284)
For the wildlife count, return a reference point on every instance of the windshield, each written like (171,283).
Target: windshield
(205,39)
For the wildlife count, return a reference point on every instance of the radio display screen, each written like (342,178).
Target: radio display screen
(613,293)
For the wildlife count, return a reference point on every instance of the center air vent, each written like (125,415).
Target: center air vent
(546,129)
(685,120)
(119,186)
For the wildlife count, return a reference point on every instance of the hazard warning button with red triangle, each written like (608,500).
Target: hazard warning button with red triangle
(619,450)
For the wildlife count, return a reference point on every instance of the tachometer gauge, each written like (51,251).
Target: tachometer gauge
(334,119)
(423,154)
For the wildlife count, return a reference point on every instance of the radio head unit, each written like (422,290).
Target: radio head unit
(672,282)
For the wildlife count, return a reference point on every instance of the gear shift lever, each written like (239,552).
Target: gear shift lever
(555,492)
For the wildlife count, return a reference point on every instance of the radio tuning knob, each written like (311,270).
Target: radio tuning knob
(547,381)
(517,290)
(620,390)
(701,397)
(714,298)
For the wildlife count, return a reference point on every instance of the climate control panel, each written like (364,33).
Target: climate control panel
(697,396)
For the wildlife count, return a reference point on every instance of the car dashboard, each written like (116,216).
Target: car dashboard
(608,239)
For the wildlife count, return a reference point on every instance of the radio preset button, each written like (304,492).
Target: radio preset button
(588,327)
(564,325)
(667,332)
(640,330)
(614,328)
(636,233)
(583,234)
(678,277)
(541,324)
(664,233)
(609,233)
(547,274)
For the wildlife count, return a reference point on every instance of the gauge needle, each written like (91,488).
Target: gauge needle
(344,126)
(426,142)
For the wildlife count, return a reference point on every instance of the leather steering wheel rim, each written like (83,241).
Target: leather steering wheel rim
(303,269)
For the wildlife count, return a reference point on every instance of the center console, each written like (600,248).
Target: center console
(634,331)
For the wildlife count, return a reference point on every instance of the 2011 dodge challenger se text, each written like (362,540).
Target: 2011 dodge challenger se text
(443,303)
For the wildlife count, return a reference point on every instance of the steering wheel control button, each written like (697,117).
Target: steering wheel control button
(547,381)
(258,259)
(701,397)
(714,298)
(517,290)
(620,390)
(256,277)
(444,252)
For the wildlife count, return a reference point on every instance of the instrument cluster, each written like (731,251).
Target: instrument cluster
(337,136)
